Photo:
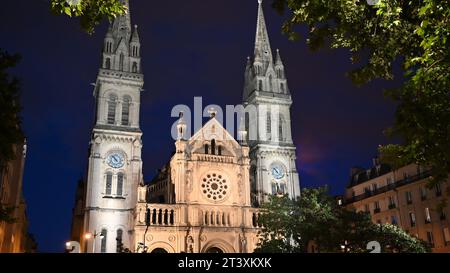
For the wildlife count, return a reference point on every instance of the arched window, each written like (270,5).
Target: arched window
(280,128)
(119,241)
(270,83)
(260,86)
(103,237)
(219,150)
(108,63)
(206,149)
(274,188)
(282,88)
(119,190)
(126,111)
(121,61)
(108,186)
(159,250)
(269,125)
(112,103)
(213,146)
(135,67)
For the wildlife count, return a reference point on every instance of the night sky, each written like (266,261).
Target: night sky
(189,48)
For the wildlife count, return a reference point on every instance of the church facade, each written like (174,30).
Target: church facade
(206,198)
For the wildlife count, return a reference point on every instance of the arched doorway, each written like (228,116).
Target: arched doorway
(159,250)
(214,250)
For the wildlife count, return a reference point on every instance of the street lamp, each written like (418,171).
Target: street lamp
(89,236)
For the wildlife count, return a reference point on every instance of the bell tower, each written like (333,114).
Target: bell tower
(115,163)
(272,151)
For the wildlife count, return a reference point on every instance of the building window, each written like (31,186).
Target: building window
(394,220)
(108,63)
(427,216)
(374,186)
(408,195)
(412,219)
(438,190)
(430,238)
(442,215)
(446,236)
(135,67)
(389,181)
(213,146)
(119,191)
(104,235)
(108,187)
(121,61)
(112,104)
(280,128)
(282,87)
(260,85)
(206,149)
(376,205)
(423,193)
(269,125)
(119,241)
(278,188)
(126,111)
(270,83)
(366,208)
(391,202)
(219,150)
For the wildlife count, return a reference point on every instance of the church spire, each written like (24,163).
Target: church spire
(122,45)
(263,51)
(122,24)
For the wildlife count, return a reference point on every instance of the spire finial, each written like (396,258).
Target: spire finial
(278,61)
(181,127)
(212,112)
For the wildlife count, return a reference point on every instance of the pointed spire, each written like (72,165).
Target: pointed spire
(181,127)
(278,61)
(122,24)
(109,34)
(262,43)
(135,36)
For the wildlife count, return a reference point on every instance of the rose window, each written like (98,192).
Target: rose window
(214,186)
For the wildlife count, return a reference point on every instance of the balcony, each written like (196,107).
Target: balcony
(392,206)
(213,158)
(159,215)
(399,183)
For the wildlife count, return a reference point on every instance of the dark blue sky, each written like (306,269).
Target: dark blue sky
(190,48)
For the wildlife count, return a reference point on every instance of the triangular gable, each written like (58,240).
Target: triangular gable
(213,129)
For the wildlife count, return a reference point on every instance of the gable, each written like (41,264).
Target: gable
(213,129)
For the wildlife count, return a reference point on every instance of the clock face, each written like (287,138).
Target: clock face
(116,160)
(277,171)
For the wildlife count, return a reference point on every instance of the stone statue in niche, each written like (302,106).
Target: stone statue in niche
(190,244)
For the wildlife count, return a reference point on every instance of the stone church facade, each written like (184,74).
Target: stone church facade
(206,198)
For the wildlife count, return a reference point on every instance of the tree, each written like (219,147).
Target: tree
(412,33)
(10,121)
(90,12)
(290,226)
